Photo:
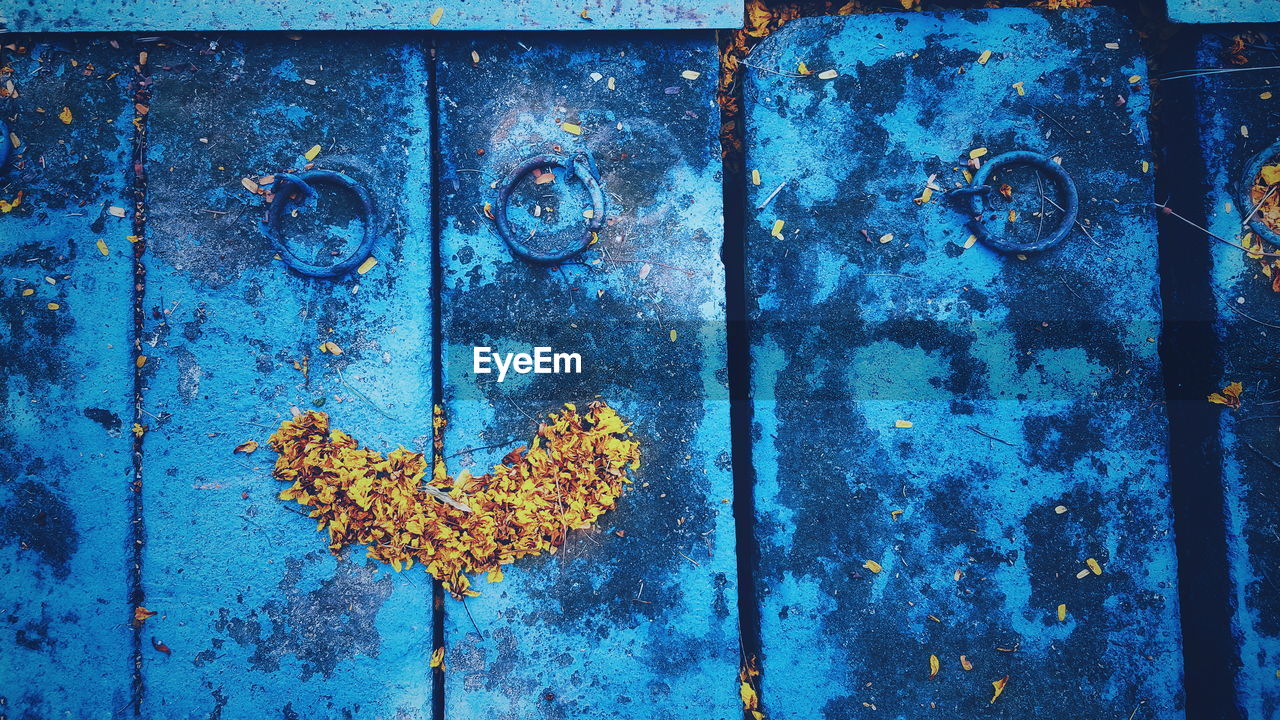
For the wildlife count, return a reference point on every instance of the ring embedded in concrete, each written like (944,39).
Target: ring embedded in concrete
(973,199)
(579,165)
(303,182)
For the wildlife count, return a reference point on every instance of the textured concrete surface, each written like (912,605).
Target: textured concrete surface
(634,618)
(1235,126)
(153,15)
(259,617)
(66,383)
(1029,384)
(1223,11)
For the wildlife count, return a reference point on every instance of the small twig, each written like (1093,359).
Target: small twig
(772,194)
(990,436)
(1197,72)
(1275,463)
(686,557)
(1250,317)
(1254,211)
(1169,211)
(362,395)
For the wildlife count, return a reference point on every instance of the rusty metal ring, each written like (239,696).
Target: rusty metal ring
(302,182)
(1253,170)
(973,200)
(580,166)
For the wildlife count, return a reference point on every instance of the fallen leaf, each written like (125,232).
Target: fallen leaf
(887,237)
(140,614)
(934,666)
(246,447)
(999,686)
(964,663)
(1062,613)
(828,74)
(690,75)
(873,566)
(673,336)
(750,700)
(1019,87)
(495,575)
(437,658)
(368,264)
(331,348)
(803,69)
(53,306)
(976,153)
(1094,566)
(436,16)
(777,229)
(102,248)
(755,177)
(65,116)
(903,424)
(161,647)
(312,153)
(115,211)
(1230,396)
(984,57)
(140,361)
(571,128)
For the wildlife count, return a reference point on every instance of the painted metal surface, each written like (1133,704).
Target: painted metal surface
(258,617)
(636,617)
(160,15)
(1223,11)
(1236,124)
(946,438)
(66,382)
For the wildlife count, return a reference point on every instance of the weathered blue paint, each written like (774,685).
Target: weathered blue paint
(157,15)
(636,617)
(1223,11)
(1029,383)
(1229,107)
(66,384)
(260,618)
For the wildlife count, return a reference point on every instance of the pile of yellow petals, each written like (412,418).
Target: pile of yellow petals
(572,474)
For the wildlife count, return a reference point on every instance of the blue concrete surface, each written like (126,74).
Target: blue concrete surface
(1029,384)
(1229,106)
(157,15)
(261,620)
(66,384)
(1223,11)
(636,617)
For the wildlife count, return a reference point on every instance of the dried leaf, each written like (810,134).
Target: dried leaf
(828,75)
(437,658)
(65,116)
(1062,613)
(964,663)
(160,647)
(571,128)
(367,265)
(1094,566)
(690,75)
(102,248)
(330,347)
(873,566)
(903,424)
(246,447)
(436,16)
(934,666)
(777,229)
(311,153)
(976,153)
(984,57)
(140,614)
(1230,396)
(999,687)
(750,700)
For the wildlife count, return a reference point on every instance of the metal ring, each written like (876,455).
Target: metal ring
(973,198)
(302,182)
(582,167)
(1252,171)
